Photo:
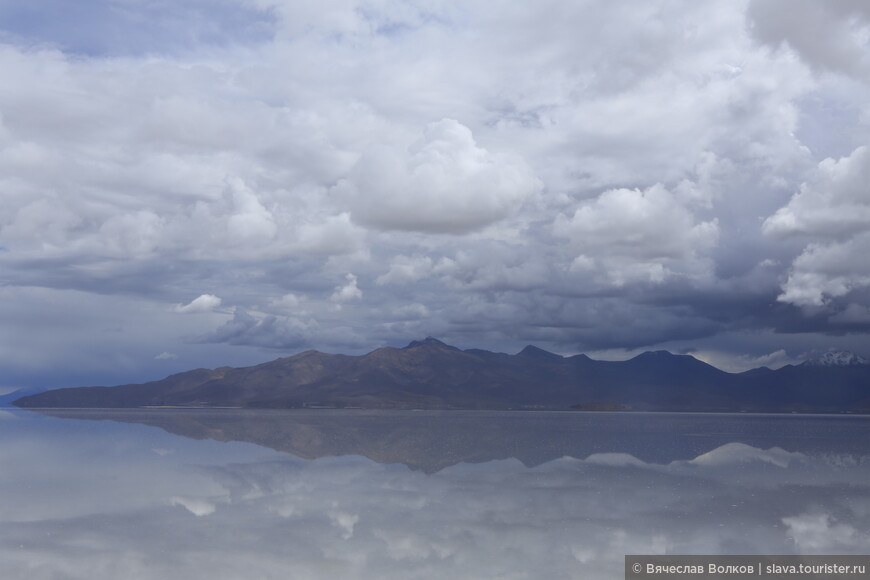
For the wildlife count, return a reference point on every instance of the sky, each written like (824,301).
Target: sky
(204,183)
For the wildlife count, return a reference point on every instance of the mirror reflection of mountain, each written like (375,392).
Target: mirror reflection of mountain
(431,440)
(102,500)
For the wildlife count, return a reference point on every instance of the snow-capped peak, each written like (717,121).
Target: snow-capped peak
(837,358)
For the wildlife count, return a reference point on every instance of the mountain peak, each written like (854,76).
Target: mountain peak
(430,342)
(655,355)
(836,358)
(533,351)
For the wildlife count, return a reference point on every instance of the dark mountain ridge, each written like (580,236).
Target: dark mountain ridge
(429,374)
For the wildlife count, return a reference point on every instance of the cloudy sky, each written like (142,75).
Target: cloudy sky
(208,182)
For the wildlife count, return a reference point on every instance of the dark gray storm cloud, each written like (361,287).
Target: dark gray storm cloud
(591,177)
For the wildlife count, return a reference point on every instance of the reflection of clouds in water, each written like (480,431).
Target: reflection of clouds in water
(817,531)
(59,471)
(353,518)
(196,505)
(740,453)
(41,479)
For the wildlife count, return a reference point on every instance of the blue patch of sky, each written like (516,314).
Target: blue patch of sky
(100,28)
(830,127)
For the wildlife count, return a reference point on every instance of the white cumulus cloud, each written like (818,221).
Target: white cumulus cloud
(831,211)
(348,291)
(443,183)
(204,303)
(629,235)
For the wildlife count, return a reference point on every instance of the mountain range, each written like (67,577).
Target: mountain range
(430,374)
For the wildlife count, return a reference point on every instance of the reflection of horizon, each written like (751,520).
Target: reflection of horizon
(274,516)
(432,440)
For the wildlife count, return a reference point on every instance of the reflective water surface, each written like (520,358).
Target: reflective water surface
(226,494)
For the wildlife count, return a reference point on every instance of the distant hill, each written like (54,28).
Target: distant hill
(432,375)
(7,399)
